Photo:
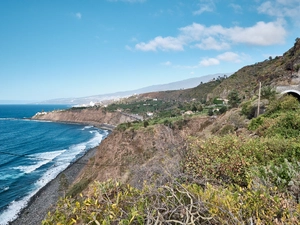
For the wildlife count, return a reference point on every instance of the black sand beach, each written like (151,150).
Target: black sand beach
(47,197)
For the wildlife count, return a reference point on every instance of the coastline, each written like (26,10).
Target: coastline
(46,198)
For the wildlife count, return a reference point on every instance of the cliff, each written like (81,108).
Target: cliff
(93,116)
(151,154)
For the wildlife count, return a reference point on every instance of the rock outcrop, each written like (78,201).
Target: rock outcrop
(93,116)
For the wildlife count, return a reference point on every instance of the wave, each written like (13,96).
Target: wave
(43,158)
(62,159)
(4,188)
(87,127)
(5,176)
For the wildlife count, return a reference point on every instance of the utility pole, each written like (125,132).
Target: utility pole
(258,103)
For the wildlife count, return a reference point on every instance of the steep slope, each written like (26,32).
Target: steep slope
(135,156)
(282,70)
(91,115)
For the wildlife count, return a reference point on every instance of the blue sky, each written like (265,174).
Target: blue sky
(75,48)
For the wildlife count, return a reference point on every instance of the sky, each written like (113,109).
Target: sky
(75,48)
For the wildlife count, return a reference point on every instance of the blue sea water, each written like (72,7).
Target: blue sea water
(32,153)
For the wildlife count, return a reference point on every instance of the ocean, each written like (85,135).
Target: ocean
(32,153)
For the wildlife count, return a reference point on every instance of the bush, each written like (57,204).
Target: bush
(268,92)
(255,123)
(248,110)
(146,124)
(175,203)
(223,109)
(210,112)
(234,99)
(287,102)
(227,129)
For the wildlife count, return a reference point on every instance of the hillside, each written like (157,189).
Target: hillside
(90,115)
(194,168)
(281,70)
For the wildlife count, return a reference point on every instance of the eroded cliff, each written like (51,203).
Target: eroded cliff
(93,116)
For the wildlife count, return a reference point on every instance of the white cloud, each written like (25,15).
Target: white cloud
(207,6)
(78,15)
(281,9)
(217,37)
(203,8)
(229,57)
(168,63)
(165,44)
(209,62)
(211,43)
(260,34)
(226,56)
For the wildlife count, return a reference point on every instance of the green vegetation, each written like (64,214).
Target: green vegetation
(252,177)
(141,107)
(227,179)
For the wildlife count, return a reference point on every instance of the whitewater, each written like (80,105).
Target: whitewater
(32,153)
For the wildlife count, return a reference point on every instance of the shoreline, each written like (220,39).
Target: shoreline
(103,126)
(46,198)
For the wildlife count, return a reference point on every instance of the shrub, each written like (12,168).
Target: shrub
(230,158)
(227,129)
(146,124)
(78,187)
(287,102)
(255,123)
(268,92)
(223,109)
(234,99)
(210,112)
(175,203)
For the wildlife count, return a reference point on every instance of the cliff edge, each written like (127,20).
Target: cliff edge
(92,116)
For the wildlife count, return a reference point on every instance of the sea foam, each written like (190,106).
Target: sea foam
(41,158)
(61,159)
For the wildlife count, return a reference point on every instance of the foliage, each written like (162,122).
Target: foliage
(78,187)
(283,175)
(174,203)
(210,112)
(146,124)
(229,158)
(255,123)
(234,99)
(140,107)
(223,109)
(227,129)
(217,101)
(268,92)
(287,102)
(249,109)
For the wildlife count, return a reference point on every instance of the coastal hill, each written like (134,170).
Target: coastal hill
(94,116)
(278,71)
(199,160)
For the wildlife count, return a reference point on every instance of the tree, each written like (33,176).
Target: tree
(223,109)
(146,124)
(268,92)
(210,112)
(234,99)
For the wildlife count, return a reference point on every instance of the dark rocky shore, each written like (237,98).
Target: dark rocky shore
(47,197)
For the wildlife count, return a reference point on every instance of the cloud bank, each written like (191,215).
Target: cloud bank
(217,37)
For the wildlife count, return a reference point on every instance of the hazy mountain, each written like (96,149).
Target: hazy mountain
(184,84)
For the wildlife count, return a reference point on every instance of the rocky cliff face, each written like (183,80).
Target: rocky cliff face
(135,156)
(93,116)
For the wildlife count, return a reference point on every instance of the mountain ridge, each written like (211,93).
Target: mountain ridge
(177,85)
